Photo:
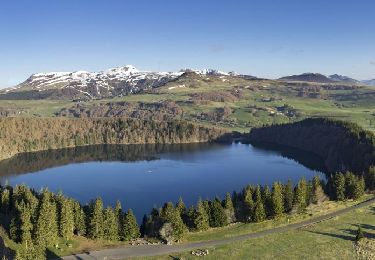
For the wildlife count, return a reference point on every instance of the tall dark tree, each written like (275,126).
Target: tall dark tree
(288,196)
(110,225)
(169,214)
(370,178)
(66,218)
(277,200)
(201,220)
(218,217)
(79,219)
(180,206)
(339,186)
(46,230)
(130,229)
(317,192)
(248,204)
(267,200)
(300,195)
(229,208)
(119,217)
(95,228)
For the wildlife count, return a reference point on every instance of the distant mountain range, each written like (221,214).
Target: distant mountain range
(370,82)
(126,80)
(83,84)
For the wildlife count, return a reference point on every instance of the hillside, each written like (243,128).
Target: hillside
(35,134)
(309,77)
(343,146)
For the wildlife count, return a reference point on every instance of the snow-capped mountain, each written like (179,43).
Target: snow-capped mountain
(83,84)
(111,82)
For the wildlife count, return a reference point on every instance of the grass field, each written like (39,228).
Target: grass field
(331,239)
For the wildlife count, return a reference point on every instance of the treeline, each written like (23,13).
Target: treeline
(343,146)
(19,135)
(39,220)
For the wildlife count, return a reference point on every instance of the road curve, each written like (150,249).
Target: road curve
(152,250)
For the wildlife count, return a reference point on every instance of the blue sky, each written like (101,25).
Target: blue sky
(262,38)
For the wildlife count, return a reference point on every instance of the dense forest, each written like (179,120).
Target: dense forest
(19,135)
(343,146)
(38,221)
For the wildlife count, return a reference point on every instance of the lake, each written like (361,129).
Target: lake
(146,176)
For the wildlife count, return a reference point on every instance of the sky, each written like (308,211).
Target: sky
(262,38)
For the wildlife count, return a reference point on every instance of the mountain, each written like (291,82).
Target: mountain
(341,78)
(370,82)
(90,85)
(310,77)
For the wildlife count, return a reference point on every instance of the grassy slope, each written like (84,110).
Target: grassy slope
(331,239)
(352,105)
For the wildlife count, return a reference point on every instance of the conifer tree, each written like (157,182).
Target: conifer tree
(300,197)
(5,201)
(288,196)
(201,221)
(46,231)
(277,200)
(317,190)
(359,234)
(218,217)
(370,178)
(26,226)
(229,208)
(130,229)
(66,219)
(359,187)
(248,204)
(339,186)
(119,217)
(171,215)
(259,212)
(110,225)
(267,200)
(79,219)
(95,228)
(180,206)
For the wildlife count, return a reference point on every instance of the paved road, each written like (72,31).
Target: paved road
(152,250)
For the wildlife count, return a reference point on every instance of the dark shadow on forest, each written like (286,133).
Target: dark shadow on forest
(307,159)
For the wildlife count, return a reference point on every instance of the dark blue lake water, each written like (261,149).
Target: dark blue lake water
(146,176)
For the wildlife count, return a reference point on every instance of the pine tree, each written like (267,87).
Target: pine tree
(95,228)
(46,231)
(30,252)
(350,183)
(119,217)
(259,212)
(180,206)
(201,221)
(248,204)
(229,208)
(218,217)
(171,215)
(66,218)
(339,186)
(130,229)
(300,195)
(370,178)
(5,201)
(288,196)
(79,219)
(359,187)
(267,200)
(317,190)
(110,225)
(277,200)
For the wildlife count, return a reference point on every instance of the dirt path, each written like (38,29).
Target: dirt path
(152,250)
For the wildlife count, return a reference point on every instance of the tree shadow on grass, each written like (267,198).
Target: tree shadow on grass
(345,237)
